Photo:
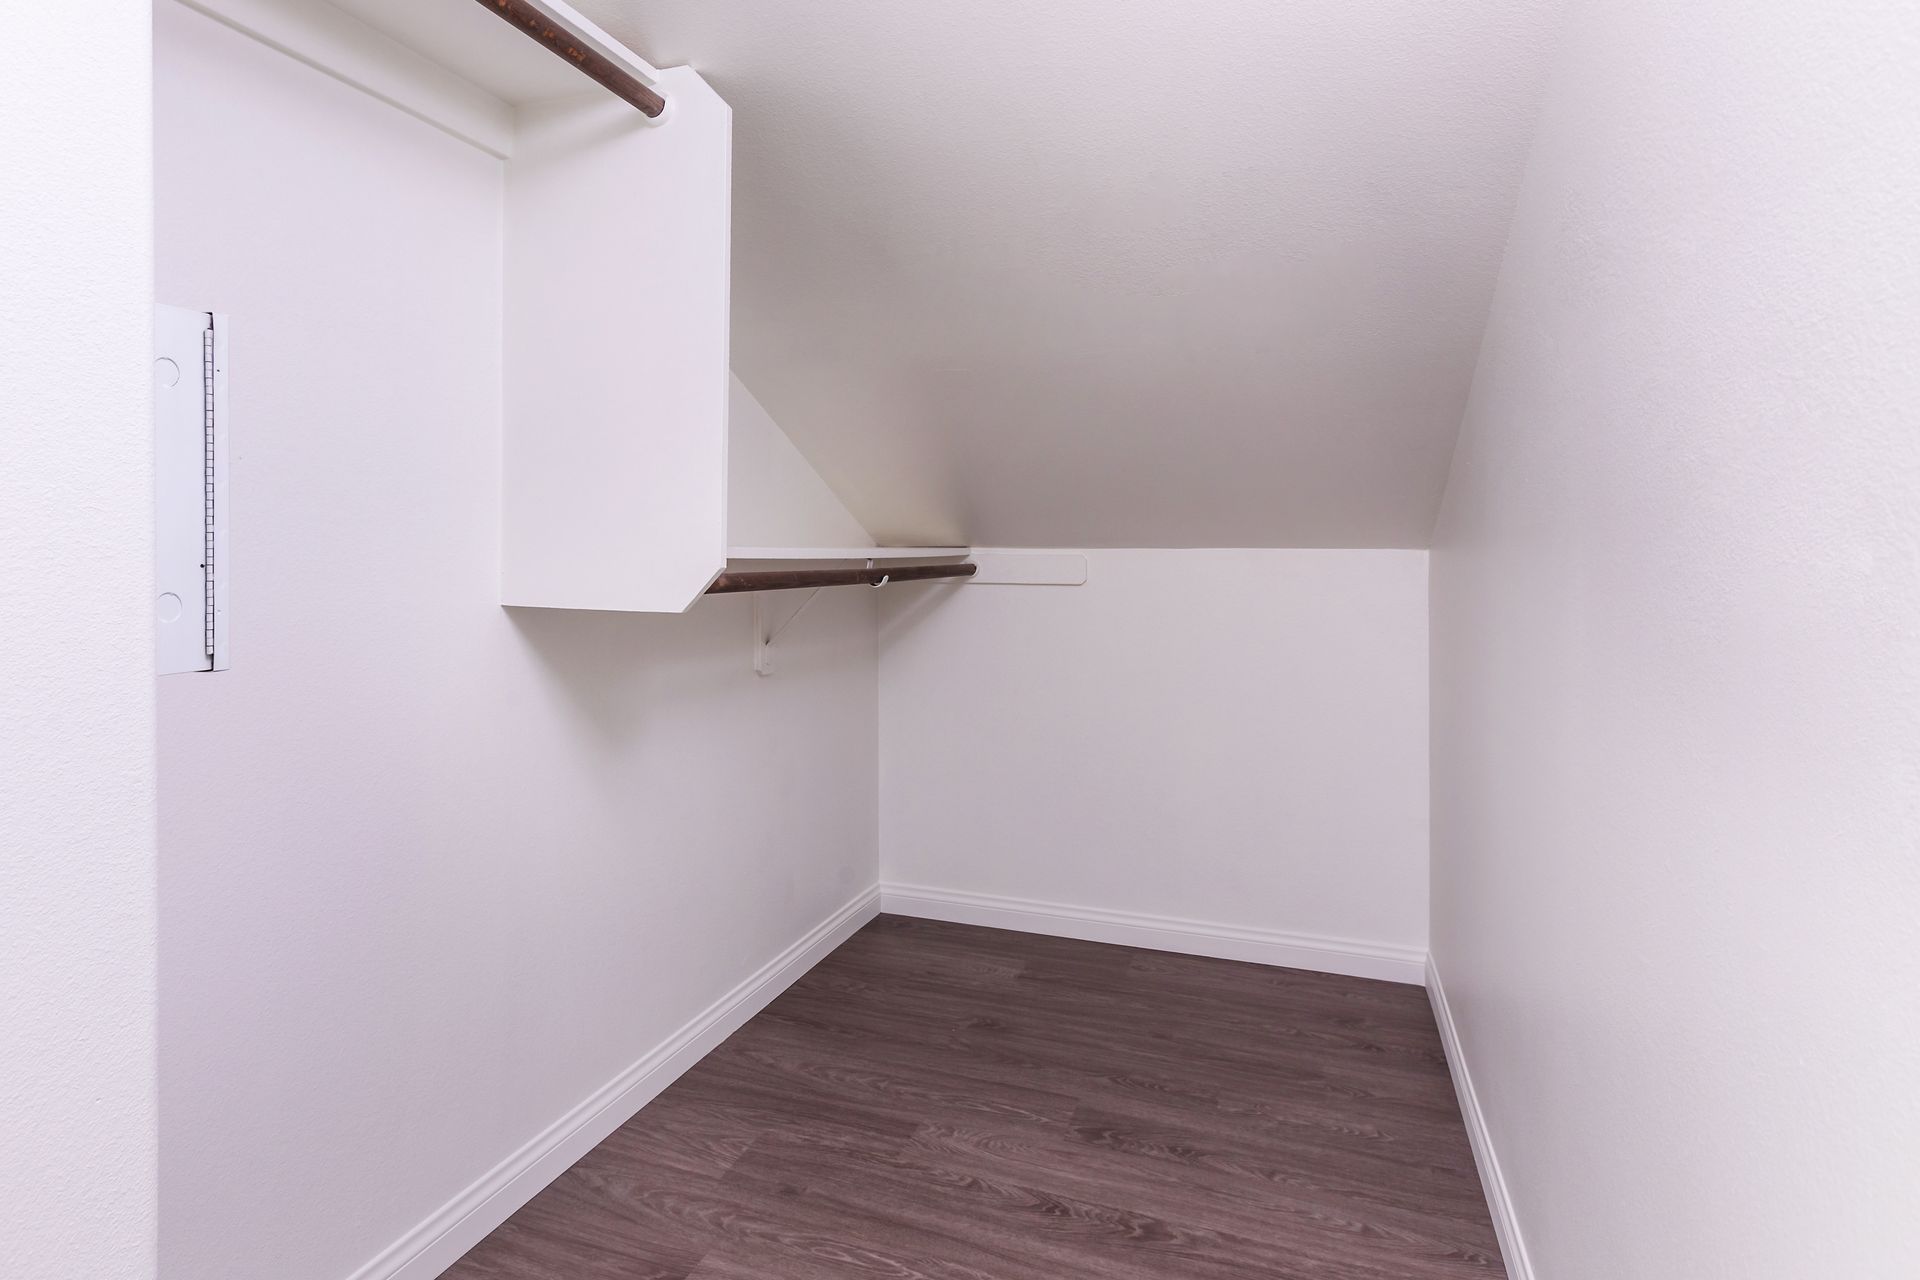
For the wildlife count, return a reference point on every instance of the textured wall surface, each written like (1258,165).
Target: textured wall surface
(77,1181)
(1676,668)
(432,871)
(1232,737)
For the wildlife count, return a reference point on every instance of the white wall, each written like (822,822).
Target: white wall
(1236,738)
(1676,674)
(432,871)
(76,707)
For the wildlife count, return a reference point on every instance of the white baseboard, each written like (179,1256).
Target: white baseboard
(464,1221)
(1513,1246)
(1160,933)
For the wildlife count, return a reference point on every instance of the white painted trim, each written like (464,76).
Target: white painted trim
(1029,568)
(335,42)
(1160,933)
(1513,1246)
(465,1220)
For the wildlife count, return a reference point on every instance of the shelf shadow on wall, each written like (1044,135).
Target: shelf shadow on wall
(910,604)
(623,672)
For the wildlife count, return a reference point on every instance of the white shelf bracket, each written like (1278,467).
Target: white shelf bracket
(763,638)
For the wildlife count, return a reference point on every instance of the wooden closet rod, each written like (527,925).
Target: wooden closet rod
(786,579)
(529,20)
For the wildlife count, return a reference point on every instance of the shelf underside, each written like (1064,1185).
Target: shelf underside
(859,554)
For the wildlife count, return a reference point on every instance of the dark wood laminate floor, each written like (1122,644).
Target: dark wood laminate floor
(951,1103)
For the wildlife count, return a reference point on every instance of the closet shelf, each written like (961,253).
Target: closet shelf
(876,554)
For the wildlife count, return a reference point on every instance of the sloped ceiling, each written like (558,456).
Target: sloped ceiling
(1108,272)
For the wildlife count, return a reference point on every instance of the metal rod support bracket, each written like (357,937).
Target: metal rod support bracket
(763,638)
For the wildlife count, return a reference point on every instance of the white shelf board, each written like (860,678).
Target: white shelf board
(845,553)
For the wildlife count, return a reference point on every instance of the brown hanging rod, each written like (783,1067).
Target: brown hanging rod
(787,579)
(529,20)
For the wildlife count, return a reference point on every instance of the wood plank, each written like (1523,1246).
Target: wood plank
(944,1102)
